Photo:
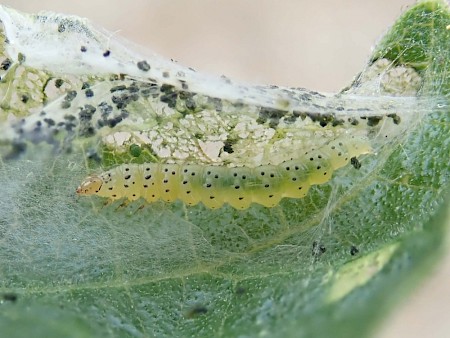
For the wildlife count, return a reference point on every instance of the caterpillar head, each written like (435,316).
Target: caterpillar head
(90,186)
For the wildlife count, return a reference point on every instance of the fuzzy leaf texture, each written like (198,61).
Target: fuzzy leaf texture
(317,266)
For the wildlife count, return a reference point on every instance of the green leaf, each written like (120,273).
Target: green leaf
(330,264)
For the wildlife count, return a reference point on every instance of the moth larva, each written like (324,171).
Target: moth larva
(216,185)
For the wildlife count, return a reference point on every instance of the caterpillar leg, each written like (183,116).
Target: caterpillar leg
(138,209)
(107,202)
(124,204)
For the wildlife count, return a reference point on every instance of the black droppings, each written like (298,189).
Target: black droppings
(83,49)
(87,130)
(21,58)
(105,109)
(184,85)
(59,83)
(107,53)
(89,93)
(395,118)
(216,103)
(24,98)
(322,119)
(124,113)
(5,64)
(133,96)
(143,65)
(353,121)
(70,95)
(354,250)
(355,163)
(117,88)
(318,249)
(87,112)
(190,103)
(133,88)
(296,113)
(337,122)
(121,101)
(165,88)
(228,146)
(372,121)
(170,99)
(114,121)
(49,122)
(270,114)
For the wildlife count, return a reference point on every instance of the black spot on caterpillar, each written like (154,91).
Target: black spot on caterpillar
(216,185)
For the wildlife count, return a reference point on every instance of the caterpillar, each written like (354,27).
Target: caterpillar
(216,185)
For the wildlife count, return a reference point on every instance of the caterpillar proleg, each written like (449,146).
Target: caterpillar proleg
(216,185)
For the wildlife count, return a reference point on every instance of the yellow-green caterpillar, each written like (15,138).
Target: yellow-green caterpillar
(216,185)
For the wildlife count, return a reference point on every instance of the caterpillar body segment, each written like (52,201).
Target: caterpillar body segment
(216,185)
